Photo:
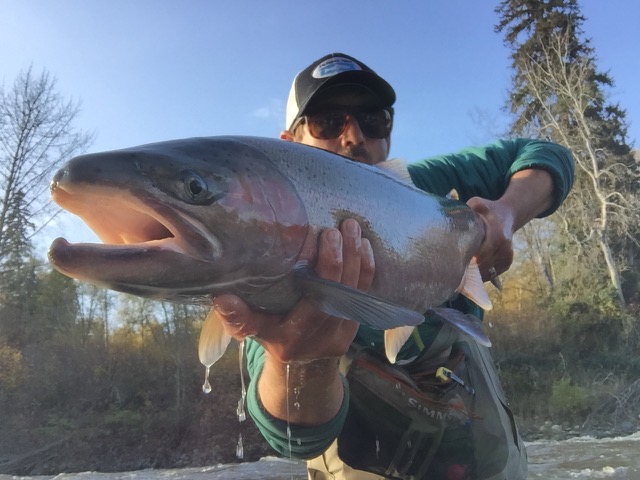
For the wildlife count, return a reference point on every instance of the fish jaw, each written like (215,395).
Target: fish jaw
(119,218)
(147,245)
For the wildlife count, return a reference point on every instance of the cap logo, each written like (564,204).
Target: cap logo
(333,66)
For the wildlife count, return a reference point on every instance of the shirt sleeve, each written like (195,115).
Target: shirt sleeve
(291,440)
(485,171)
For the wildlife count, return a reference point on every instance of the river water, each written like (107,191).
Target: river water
(577,458)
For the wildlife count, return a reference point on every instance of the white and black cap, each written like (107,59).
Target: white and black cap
(335,69)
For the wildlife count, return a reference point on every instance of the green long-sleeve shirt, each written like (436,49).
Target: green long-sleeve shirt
(483,172)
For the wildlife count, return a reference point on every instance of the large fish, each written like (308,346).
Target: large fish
(188,220)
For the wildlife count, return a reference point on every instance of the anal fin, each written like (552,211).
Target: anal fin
(394,339)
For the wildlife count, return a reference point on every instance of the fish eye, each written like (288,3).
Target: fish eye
(196,187)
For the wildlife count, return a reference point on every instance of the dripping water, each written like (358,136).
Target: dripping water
(288,420)
(240,448)
(206,387)
(296,393)
(242,416)
(240,411)
(288,413)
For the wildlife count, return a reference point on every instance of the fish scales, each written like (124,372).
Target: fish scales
(422,243)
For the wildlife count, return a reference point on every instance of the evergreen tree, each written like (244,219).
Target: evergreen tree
(17,273)
(558,93)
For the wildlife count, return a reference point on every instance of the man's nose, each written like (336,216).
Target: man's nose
(352,134)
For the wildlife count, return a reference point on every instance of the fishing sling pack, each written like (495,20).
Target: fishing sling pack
(443,416)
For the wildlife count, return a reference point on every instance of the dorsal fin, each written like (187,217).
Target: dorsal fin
(398,168)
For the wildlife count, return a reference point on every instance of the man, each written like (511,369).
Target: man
(299,398)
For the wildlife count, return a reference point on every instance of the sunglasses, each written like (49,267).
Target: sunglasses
(331,124)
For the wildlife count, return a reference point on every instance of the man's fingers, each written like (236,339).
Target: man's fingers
(230,306)
(367,266)
(329,264)
(345,257)
(351,252)
(239,321)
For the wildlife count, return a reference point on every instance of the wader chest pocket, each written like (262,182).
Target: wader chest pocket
(409,426)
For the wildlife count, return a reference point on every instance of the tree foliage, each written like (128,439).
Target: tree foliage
(558,93)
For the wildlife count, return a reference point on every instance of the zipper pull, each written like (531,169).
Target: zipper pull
(445,375)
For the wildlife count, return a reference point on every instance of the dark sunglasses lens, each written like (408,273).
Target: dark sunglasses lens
(327,126)
(375,124)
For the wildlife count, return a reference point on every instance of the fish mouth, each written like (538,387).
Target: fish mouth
(123,221)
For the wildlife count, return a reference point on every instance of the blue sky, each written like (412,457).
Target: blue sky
(153,70)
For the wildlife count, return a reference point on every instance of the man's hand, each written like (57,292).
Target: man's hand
(528,194)
(307,340)
(495,255)
(305,333)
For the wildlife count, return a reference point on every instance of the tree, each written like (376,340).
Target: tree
(36,136)
(559,94)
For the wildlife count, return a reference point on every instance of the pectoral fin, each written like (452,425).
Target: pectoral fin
(472,287)
(213,339)
(345,302)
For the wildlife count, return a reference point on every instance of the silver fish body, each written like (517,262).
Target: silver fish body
(188,220)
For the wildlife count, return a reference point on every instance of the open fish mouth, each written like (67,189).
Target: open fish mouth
(123,221)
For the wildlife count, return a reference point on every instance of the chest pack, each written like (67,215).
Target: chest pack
(442,416)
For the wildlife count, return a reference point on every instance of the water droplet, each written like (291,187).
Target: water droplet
(242,416)
(206,387)
(240,448)
(296,405)
(377,448)
(490,324)
(398,387)
(288,416)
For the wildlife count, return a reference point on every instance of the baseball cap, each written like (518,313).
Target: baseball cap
(330,71)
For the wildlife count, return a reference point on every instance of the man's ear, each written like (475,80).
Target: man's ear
(286,135)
